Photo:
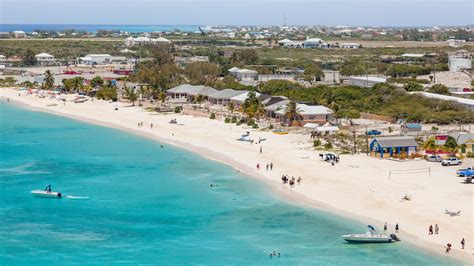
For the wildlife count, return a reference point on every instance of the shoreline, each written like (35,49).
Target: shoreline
(302,195)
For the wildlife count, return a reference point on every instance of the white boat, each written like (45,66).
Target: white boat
(42,193)
(372,236)
(46,193)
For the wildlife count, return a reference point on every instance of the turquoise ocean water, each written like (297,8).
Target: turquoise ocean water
(152,205)
(95,28)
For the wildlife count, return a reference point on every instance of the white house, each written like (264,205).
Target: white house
(284,42)
(366,81)
(316,114)
(2,59)
(96,59)
(240,98)
(349,45)
(19,34)
(44,59)
(459,61)
(130,41)
(314,43)
(243,74)
(455,43)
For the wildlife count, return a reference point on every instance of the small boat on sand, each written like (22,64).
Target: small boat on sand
(280,131)
(47,193)
(372,236)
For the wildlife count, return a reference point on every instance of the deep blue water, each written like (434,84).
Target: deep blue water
(95,28)
(152,205)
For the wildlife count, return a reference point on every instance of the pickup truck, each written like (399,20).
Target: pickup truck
(451,161)
(465,172)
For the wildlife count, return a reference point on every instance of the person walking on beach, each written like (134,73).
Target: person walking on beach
(430,230)
(385,227)
(151,125)
(463,243)
(448,247)
(271,166)
(258,166)
(260,149)
(396,228)
(436,229)
(267,166)
(299,180)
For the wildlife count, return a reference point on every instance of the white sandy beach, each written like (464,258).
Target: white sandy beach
(357,187)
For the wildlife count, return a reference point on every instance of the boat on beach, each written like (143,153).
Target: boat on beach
(372,236)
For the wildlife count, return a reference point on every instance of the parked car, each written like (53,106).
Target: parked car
(465,172)
(434,158)
(373,132)
(466,90)
(451,161)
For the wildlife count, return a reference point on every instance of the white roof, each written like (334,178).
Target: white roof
(242,97)
(313,40)
(98,55)
(285,41)
(327,128)
(43,55)
(349,44)
(369,78)
(247,71)
(446,98)
(161,39)
(412,55)
(234,69)
(311,125)
(305,109)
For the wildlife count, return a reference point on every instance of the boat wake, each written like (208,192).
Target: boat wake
(77,197)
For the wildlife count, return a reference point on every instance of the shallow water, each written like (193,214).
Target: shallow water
(134,202)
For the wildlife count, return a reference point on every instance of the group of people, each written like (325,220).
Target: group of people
(385,227)
(140,124)
(274,254)
(286,180)
(269,166)
(435,230)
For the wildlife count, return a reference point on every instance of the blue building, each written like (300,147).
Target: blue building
(386,147)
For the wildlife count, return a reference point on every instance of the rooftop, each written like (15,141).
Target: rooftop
(401,141)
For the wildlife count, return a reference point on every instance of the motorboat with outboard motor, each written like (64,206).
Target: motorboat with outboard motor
(372,236)
(46,193)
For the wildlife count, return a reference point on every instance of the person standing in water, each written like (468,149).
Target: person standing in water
(396,228)
(463,243)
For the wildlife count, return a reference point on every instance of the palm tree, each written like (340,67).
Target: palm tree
(48,79)
(162,98)
(430,144)
(131,95)
(199,99)
(77,83)
(252,106)
(231,107)
(292,112)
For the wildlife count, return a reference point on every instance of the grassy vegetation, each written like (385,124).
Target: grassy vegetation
(60,48)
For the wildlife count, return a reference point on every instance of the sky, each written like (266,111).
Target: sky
(239,12)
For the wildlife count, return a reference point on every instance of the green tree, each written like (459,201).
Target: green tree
(231,107)
(252,106)
(97,81)
(451,145)
(439,89)
(202,73)
(48,79)
(162,97)
(413,86)
(29,58)
(292,112)
(312,73)
(131,95)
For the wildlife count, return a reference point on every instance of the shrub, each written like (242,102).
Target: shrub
(250,122)
(239,123)
(470,155)
(107,93)
(212,116)
(317,143)
(328,145)
(234,119)
(254,126)
(270,126)
(227,120)
(177,109)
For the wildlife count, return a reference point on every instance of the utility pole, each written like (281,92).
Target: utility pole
(367,140)
(354,135)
